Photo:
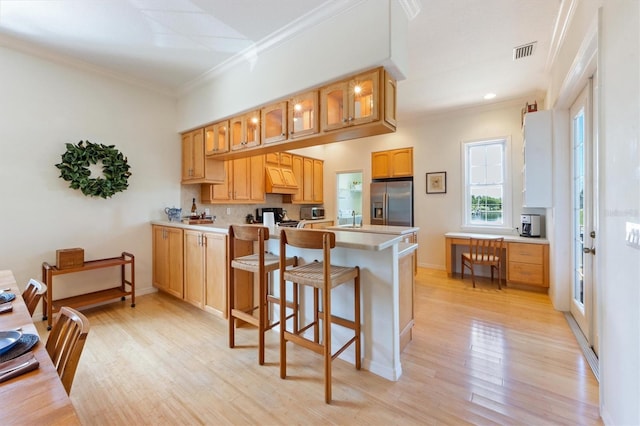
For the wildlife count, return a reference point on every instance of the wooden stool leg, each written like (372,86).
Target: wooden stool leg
(356,317)
(231,302)
(326,328)
(262,312)
(316,309)
(283,326)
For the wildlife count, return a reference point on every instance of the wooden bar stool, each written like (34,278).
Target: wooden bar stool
(243,258)
(322,277)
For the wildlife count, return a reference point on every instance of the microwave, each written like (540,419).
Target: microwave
(311,213)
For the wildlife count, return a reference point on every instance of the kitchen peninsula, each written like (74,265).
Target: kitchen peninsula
(387,290)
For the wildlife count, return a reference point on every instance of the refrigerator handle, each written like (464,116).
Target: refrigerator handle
(385,212)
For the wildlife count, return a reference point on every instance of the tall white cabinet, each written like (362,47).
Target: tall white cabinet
(536,169)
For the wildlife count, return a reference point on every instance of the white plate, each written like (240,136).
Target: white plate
(8,339)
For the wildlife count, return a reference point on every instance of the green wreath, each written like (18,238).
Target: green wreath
(75,164)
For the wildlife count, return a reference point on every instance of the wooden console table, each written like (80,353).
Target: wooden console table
(49,306)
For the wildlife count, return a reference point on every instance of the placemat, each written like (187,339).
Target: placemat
(6,297)
(24,344)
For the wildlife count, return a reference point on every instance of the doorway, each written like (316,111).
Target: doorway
(584,214)
(349,197)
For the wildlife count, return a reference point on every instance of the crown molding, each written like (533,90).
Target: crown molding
(563,21)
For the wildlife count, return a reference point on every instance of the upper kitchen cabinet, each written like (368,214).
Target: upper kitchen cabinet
(217,138)
(392,163)
(274,123)
(303,115)
(309,174)
(196,168)
(244,183)
(351,102)
(245,131)
(536,149)
(390,94)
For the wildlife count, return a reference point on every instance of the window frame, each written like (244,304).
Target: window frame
(506,185)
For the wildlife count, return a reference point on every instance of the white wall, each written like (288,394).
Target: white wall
(44,105)
(618,265)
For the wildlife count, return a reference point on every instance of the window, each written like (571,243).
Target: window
(486,193)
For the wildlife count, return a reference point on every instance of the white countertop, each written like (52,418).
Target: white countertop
(354,240)
(507,238)
(376,229)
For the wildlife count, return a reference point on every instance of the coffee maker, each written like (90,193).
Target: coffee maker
(530,225)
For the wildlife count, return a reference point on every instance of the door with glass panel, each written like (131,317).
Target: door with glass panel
(583,217)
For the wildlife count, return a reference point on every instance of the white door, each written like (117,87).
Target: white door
(584,220)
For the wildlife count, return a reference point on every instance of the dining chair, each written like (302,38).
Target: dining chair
(247,257)
(65,343)
(322,277)
(484,251)
(33,293)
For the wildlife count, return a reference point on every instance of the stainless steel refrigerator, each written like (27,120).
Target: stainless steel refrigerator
(392,203)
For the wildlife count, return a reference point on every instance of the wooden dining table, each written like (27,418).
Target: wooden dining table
(36,397)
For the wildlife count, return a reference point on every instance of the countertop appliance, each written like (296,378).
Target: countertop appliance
(392,202)
(311,213)
(530,225)
(279,214)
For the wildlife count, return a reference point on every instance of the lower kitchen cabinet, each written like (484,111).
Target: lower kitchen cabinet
(167,260)
(215,260)
(528,264)
(205,277)
(194,268)
(192,265)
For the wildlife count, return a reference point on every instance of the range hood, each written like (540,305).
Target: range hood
(280,180)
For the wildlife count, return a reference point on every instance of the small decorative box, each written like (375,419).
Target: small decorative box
(69,258)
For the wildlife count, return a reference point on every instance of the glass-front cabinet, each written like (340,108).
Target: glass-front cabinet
(245,131)
(217,138)
(274,123)
(303,115)
(350,102)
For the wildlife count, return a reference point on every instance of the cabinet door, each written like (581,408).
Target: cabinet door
(245,131)
(380,165)
(193,155)
(303,115)
(286,159)
(406,298)
(307,180)
(274,123)
(272,158)
(390,94)
(334,101)
(318,181)
(167,260)
(217,138)
(216,272)
(256,179)
(241,179)
(194,268)
(160,258)
(364,98)
(401,162)
(297,169)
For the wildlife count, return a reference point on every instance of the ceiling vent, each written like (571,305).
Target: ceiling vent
(524,50)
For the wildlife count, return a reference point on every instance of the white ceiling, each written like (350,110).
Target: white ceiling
(459,50)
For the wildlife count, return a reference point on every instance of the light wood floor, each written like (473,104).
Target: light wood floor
(479,356)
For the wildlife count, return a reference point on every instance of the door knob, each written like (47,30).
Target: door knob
(588,250)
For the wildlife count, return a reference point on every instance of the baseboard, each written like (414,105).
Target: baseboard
(591,357)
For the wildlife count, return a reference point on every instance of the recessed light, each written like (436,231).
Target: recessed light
(489,96)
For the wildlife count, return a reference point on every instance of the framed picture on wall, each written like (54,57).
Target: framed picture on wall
(437,183)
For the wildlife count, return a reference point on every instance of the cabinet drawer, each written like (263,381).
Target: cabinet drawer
(526,253)
(525,273)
